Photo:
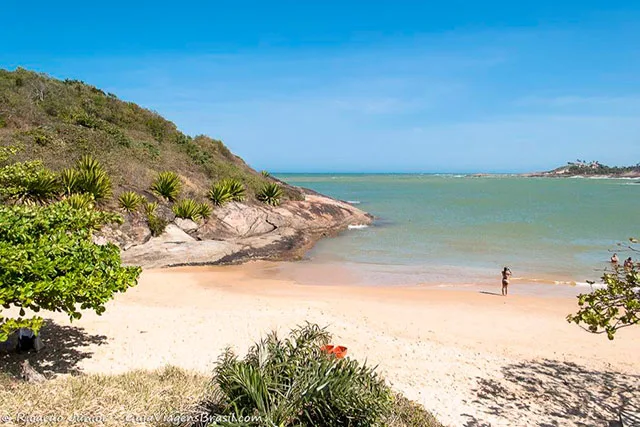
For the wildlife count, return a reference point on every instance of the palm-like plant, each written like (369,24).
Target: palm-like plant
(92,178)
(270,194)
(150,208)
(291,382)
(40,187)
(188,209)
(80,201)
(68,180)
(129,201)
(266,174)
(167,185)
(219,194)
(235,189)
(204,210)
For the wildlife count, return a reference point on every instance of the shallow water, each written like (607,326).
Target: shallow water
(453,229)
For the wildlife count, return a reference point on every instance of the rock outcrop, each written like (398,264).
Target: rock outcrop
(239,232)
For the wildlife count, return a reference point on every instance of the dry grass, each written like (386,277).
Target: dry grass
(145,396)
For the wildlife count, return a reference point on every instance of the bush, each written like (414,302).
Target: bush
(235,189)
(167,185)
(68,179)
(270,194)
(188,209)
(129,201)
(80,201)
(266,174)
(204,210)
(28,182)
(150,208)
(92,179)
(291,382)
(156,225)
(219,194)
(49,262)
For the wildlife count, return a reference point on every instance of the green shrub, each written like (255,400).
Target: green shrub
(80,201)
(167,185)
(270,194)
(92,179)
(156,225)
(49,262)
(204,210)
(266,174)
(220,194)
(188,209)
(235,189)
(68,179)
(129,201)
(150,208)
(406,413)
(291,382)
(28,182)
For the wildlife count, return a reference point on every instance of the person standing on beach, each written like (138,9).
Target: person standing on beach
(506,273)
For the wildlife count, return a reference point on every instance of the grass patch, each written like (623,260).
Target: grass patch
(113,398)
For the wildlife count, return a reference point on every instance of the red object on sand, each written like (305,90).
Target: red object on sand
(337,350)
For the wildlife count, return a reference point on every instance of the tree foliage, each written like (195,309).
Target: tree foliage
(616,305)
(48,261)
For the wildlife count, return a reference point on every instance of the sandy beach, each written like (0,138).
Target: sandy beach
(472,357)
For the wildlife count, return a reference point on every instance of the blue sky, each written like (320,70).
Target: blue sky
(353,86)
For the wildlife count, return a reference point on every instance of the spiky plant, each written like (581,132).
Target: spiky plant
(68,179)
(93,179)
(266,174)
(270,194)
(129,201)
(291,382)
(204,210)
(150,208)
(167,185)
(235,189)
(80,201)
(42,187)
(219,193)
(156,225)
(188,209)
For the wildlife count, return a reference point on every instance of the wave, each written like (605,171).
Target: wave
(354,202)
(357,226)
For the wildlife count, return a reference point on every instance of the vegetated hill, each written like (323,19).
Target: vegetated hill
(594,168)
(59,121)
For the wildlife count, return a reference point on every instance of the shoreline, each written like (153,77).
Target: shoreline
(446,350)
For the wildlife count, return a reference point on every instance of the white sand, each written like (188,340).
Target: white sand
(472,359)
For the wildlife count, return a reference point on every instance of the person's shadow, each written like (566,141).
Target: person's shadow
(63,350)
(490,293)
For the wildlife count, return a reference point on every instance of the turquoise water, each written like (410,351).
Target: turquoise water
(463,229)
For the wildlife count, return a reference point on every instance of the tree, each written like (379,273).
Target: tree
(48,261)
(615,306)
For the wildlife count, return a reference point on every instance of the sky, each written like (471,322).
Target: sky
(359,86)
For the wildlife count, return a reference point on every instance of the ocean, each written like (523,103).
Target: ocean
(455,230)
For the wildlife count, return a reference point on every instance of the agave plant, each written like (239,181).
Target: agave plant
(292,382)
(150,208)
(80,201)
(204,210)
(129,201)
(220,193)
(235,189)
(68,179)
(270,194)
(41,187)
(92,178)
(188,209)
(167,185)
(266,174)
